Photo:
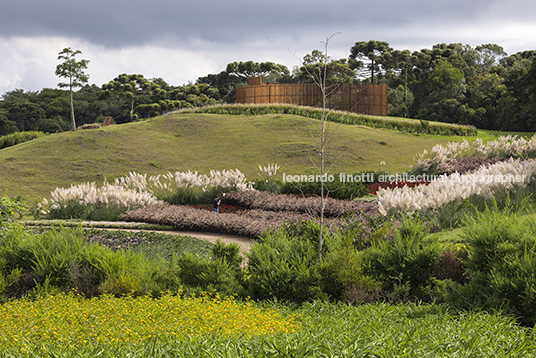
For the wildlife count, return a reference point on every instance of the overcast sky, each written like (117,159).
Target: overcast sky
(181,40)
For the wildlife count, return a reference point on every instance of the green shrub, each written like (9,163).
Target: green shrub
(204,275)
(501,264)
(306,231)
(8,208)
(364,229)
(404,264)
(138,277)
(230,253)
(341,272)
(284,269)
(19,137)
(453,214)
(270,185)
(60,258)
(8,278)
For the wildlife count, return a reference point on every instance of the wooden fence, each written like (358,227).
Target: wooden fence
(365,99)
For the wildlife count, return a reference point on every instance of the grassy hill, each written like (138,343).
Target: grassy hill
(201,142)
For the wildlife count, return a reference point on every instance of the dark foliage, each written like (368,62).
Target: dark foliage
(292,203)
(247,223)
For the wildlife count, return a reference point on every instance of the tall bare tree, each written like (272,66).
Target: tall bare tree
(319,75)
(73,70)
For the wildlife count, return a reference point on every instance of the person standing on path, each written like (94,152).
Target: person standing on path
(217,203)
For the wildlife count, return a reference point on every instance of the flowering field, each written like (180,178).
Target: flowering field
(67,322)
(172,327)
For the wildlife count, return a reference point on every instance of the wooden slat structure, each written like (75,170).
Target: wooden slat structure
(365,99)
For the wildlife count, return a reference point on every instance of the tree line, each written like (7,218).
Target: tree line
(455,83)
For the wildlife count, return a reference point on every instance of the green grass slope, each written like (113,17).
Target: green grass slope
(200,142)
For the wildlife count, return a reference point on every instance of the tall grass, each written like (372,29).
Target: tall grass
(442,158)
(91,202)
(107,202)
(392,123)
(511,174)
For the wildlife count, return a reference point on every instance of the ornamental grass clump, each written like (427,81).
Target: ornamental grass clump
(92,202)
(189,187)
(228,179)
(19,137)
(405,264)
(442,159)
(506,175)
(106,202)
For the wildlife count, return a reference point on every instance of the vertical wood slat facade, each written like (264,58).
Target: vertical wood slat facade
(364,99)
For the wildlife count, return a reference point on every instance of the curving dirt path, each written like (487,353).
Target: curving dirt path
(243,242)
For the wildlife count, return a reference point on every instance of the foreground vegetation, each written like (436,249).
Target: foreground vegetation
(312,330)
(383,285)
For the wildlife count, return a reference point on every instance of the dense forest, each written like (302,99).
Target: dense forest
(480,86)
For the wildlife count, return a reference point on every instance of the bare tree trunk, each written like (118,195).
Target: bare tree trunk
(73,122)
(322,198)
(131,108)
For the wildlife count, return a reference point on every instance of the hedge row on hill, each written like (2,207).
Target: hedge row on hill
(391,123)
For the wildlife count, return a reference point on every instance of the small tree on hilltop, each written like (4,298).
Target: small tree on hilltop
(74,71)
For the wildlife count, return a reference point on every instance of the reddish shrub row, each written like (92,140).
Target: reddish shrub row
(243,223)
(374,187)
(261,200)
